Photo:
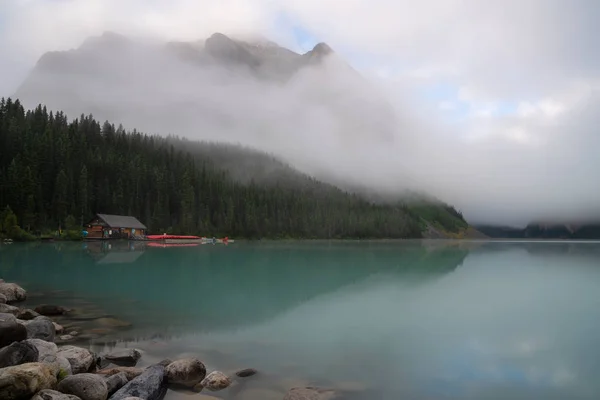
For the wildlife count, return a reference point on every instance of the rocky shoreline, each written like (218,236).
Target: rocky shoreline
(38,361)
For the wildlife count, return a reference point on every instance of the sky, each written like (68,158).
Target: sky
(501,95)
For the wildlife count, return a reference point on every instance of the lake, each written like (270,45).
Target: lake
(372,320)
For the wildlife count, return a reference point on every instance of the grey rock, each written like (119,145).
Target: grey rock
(50,310)
(130,372)
(309,393)
(244,373)
(8,309)
(150,385)
(10,330)
(3,299)
(49,394)
(12,292)
(27,314)
(40,328)
(84,386)
(18,353)
(128,357)
(215,381)
(186,372)
(116,382)
(81,359)
(21,382)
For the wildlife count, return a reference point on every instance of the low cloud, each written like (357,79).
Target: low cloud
(515,141)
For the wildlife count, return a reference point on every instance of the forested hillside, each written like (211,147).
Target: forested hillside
(55,173)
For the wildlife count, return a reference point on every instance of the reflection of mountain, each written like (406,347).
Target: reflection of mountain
(224,286)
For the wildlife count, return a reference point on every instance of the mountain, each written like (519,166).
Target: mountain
(57,173)
(250,91)
(538,230)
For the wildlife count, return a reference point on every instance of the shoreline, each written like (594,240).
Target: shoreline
(60,360)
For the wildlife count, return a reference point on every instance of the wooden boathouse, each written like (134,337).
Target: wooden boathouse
(105,226)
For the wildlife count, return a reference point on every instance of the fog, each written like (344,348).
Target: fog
(503,154)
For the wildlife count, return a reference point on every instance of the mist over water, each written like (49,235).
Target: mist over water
(422,320)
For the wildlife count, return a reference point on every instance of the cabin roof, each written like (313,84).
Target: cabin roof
(121,221)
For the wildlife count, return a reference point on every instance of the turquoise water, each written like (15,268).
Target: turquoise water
(374,320)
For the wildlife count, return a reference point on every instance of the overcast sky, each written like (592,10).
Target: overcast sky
(512,84)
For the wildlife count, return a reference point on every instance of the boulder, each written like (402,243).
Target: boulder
(49,394)
(116,382)
(148,386)
(3,299)
(18,353)
(12,292)
(186,372)
(130,372)
(309,393)
(11,330)
(128,357)
(84,386)
(8,309)
(61,363)
(244,373)
(215,381)
(21,382)
(48,353)
(50,310)
(26,314)
(40,328)
(81,359)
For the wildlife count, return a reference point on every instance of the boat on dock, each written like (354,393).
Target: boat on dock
(180,239)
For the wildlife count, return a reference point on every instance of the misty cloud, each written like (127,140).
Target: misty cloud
(535,160)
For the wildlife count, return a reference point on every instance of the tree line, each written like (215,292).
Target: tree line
(56,173)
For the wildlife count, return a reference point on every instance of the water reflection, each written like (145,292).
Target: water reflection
(439,320)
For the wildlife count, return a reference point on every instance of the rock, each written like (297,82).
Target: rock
(18,353)
(8,309)
(132,398)
(81,359)
(59,362)
(3,299)
(58,328)
(50,310)
(73,333)
(130,372)
(12,292)
(216,381)
(11,330)
(49,394)
(40,328)
(148,386)
(309,393)
(128,357)
(44,348)
(26,314)
(165,362)
(108,322)
(66,338)
(84,386)
(244,373)
(48,354)
(116,382)
(186,372)
(21,382)
(256,393)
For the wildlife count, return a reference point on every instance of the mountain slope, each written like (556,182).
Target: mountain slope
(57,173)
(254,92)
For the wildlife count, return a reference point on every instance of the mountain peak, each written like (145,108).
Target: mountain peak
(322,48)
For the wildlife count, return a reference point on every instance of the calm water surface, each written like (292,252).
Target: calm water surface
(395,320)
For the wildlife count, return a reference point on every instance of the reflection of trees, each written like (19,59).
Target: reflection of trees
(234,285)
